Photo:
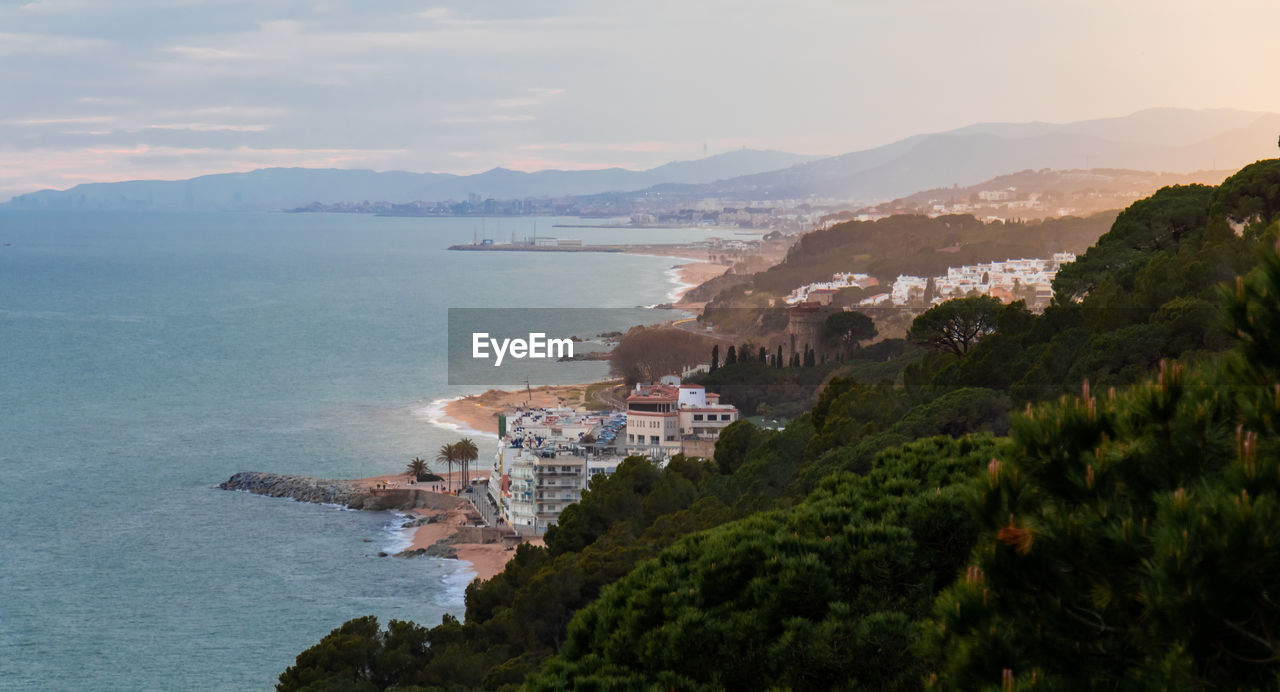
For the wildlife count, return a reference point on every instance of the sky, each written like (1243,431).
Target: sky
(108,90)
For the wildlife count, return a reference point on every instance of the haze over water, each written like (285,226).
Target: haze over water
(144,358)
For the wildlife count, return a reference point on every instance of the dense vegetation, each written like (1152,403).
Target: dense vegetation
(889,539)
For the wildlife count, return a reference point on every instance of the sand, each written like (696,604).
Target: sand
(480,411)
(695,274)
(486,560)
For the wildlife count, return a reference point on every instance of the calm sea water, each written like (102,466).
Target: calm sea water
(144,358)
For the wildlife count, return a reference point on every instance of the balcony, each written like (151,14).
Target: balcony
(558,471)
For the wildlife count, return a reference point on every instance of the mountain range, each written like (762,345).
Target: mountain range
(271,189)
(1162,140)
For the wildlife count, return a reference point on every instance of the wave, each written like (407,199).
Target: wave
(680,286)
(455,582)
(436,414)
(395,538)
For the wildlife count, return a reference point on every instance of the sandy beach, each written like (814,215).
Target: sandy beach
(695,274)
(486,559)
(696,269)
(480,411)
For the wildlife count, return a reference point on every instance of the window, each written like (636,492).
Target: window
(671,438)
(653,439)
(724,416)
(697,416)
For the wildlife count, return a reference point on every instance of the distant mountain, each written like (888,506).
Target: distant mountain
(282,188)
(1034,194)
(1169,140)
(1163,140)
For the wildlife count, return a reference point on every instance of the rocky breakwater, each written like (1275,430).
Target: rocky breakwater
(300,488)
(351,494)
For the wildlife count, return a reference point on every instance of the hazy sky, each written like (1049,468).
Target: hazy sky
(102,90)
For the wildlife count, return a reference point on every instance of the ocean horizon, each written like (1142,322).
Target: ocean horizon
(149,356)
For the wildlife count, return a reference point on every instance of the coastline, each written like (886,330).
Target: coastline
(484,559)
(692,272)
(476,415)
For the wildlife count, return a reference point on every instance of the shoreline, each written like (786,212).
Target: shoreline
(689,274)
(485,560)
(476,415)
(479,412)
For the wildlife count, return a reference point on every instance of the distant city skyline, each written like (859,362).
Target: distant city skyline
(167,89)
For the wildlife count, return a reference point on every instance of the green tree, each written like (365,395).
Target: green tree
(956,325)
(715,357)
(731,358)
(448,455)
(1127,540)
(847,329)
(828,594)
(467,452)
(360,656)
(417,469)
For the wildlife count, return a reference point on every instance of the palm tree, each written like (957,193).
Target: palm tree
(448,454)
(417,468)
(467,453)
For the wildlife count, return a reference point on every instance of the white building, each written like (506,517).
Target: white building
(541,465)
(1009,280)
(837,282)
(907,289)
(666,419)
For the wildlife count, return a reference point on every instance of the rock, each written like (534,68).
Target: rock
(301,488)
(381,554)
(439,549)
(422,521)
(337,492)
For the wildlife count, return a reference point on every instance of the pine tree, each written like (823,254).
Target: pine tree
(1129,538)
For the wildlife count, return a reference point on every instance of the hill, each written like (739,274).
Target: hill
(917,530)
(273,189)
(1033,194)
(1167,139)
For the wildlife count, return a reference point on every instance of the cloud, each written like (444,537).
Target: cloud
(489,118)
(444,84)
(62,168)
(643,146)
(436,13)
(209,127)
(76,120)
(48,44)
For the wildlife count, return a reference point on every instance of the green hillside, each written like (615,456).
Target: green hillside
(1083,499)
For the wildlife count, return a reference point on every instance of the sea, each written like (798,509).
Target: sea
(145,357)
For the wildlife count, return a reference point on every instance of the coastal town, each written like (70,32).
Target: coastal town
(547,453)
(546,456)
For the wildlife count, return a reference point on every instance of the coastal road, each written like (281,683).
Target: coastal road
(690,324)
(606,396)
